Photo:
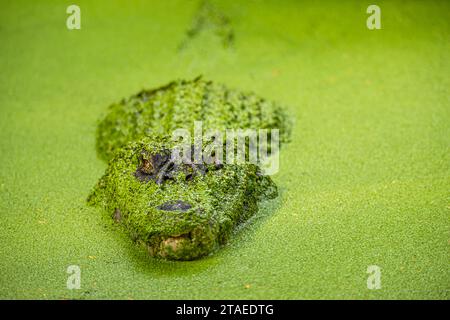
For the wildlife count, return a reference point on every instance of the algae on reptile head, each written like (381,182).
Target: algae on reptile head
(180,103)
(179,211)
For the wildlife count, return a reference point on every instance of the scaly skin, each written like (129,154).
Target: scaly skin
(185,216)
(180,211)
(178,105)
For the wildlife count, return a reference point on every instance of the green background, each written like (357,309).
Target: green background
(365,180)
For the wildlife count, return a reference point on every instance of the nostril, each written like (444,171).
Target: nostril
(175,205)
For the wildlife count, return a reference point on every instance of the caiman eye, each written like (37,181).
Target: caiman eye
(144,171)
(146,166)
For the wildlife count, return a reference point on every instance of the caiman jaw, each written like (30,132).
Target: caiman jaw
(187,246)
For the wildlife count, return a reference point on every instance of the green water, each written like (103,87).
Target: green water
(365,180)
